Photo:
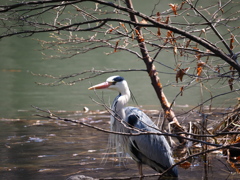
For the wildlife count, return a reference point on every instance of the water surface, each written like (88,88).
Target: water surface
(49,149)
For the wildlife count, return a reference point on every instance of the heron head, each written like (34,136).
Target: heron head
(114,82)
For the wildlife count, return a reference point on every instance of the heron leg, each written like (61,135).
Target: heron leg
(139,165)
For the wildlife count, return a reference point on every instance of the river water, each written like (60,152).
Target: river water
(37,148)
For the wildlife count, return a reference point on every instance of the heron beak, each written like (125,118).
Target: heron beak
(103,85)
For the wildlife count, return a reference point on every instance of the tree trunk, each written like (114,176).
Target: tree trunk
(151,69)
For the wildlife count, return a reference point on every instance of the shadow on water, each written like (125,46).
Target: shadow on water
(49,149)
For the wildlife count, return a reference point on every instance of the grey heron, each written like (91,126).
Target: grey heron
(152,150)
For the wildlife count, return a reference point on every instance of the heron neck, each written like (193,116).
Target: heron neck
(119,103)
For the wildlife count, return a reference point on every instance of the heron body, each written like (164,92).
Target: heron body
(152,150)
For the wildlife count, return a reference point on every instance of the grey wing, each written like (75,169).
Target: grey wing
(152,150)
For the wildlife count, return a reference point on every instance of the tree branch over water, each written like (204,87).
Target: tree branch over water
(151,22)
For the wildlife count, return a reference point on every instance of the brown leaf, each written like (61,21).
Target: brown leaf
(169,34)
(174,8)
(181,89)
(115,49)
(159,32)
(158,17)
(198,55)
(182,5)
(230,83)
(201,64)
(123,25)
(217,69)
(159,84)
(169,37)
(185,165)
(188,42)
(140,37)
(199,70)
(137,32)
(231,42)
(180,73)
(167,20)
(112,29)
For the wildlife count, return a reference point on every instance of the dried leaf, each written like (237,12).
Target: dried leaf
(230,83)
(181,90)
(159,32)
(198,55)
(112,29)
(188,42)
(167,20)
(116,45)
(185,165)
(182,5)
(159,84)
(137,32)
(169,37)
(133,36)
(217,69)
(199,70)
(231,42)
(175,50)
(158,17)
(180,73)
(143,21)
(201,64)
(124,27)
(140,37)
(169,34)
(174,8)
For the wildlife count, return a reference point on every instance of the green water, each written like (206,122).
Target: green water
(20,57)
